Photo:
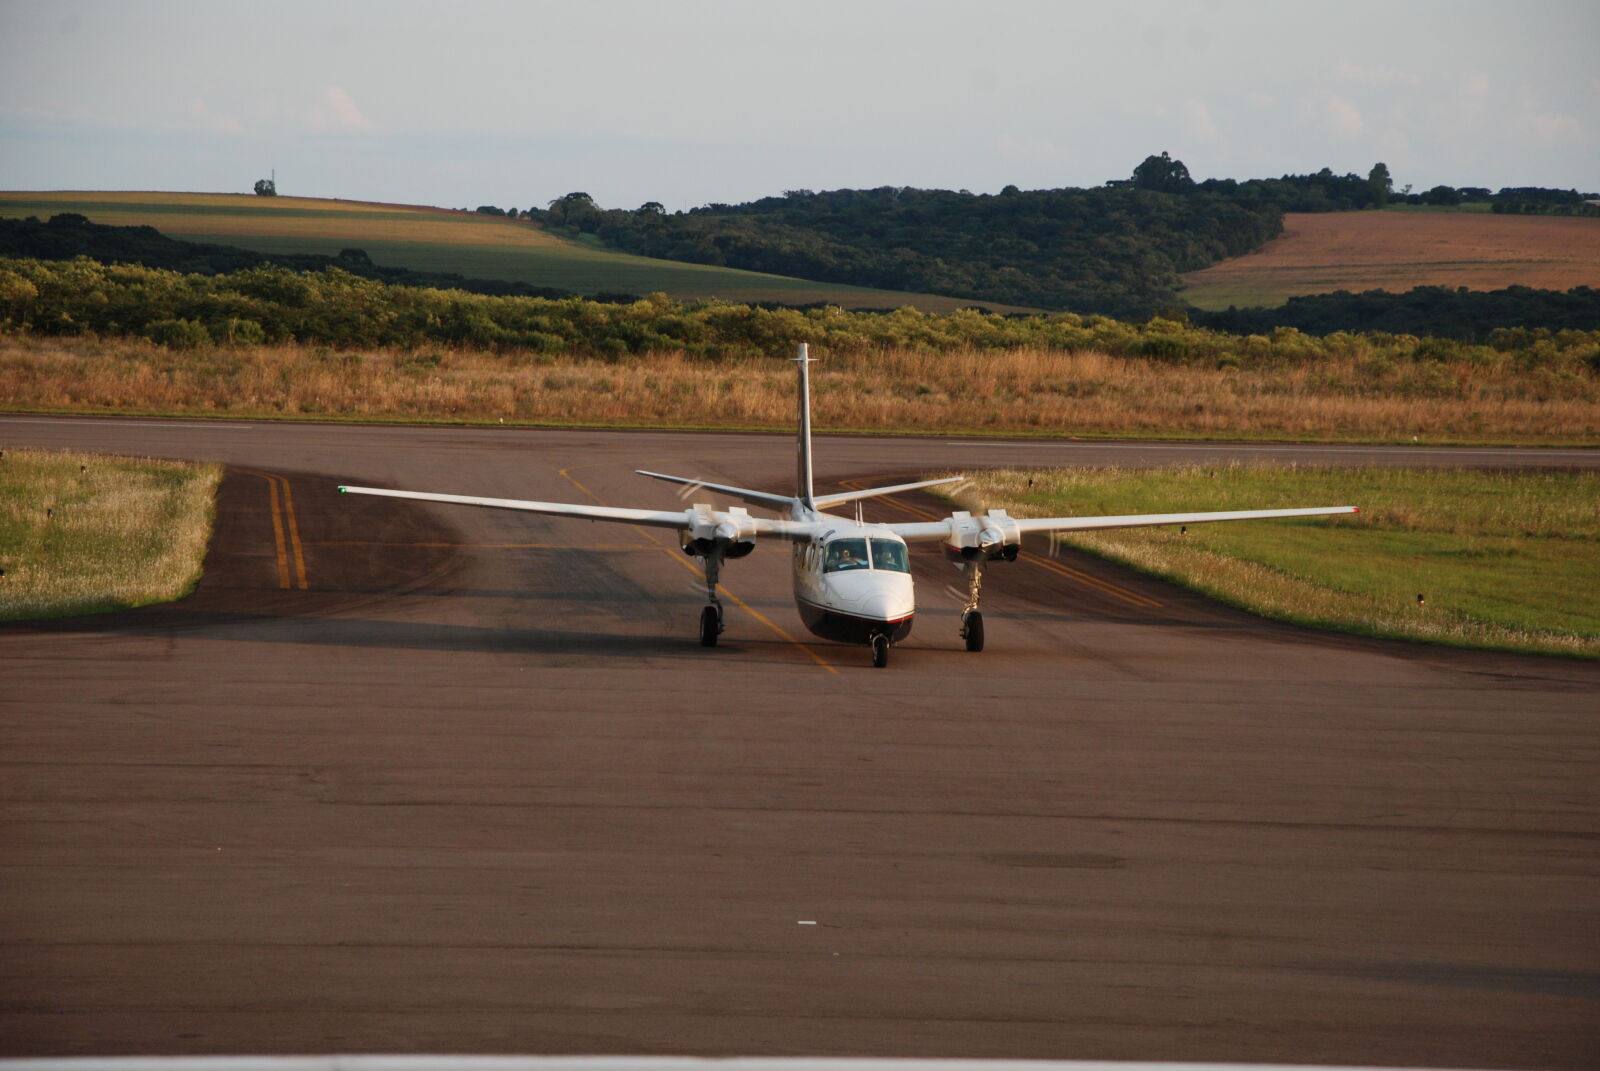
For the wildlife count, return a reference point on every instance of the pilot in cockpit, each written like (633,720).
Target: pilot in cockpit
(842,555)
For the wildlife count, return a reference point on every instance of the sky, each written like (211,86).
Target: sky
(701,101)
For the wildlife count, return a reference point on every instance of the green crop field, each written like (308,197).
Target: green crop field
(445,240)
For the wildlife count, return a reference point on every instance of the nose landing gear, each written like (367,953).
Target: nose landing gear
(880,651)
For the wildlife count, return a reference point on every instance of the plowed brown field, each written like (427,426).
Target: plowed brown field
(1319,253)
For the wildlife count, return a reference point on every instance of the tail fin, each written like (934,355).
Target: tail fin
(802,474)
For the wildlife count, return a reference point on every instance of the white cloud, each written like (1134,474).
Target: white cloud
(1343,116)
(338,112)
(1197,117)
(202,116)
(1556,127)
(1355,72)
(1477,85)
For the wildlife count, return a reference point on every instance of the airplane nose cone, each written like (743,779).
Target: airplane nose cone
(885,605)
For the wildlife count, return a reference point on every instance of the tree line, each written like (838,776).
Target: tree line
(335,308)
(1438,311)
(69,234)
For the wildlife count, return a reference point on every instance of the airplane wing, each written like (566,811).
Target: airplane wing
(996,527)
(1145,520)
(733,524)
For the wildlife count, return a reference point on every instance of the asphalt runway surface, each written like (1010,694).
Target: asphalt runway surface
(413,778)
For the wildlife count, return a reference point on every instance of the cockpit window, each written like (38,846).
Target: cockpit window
(845,554)
(889,554)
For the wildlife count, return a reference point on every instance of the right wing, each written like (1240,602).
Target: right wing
(733,523)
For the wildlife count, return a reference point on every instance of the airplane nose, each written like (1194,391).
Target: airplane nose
(885,605)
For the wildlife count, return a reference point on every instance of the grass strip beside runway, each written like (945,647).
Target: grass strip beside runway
(84,533)
(1498,560)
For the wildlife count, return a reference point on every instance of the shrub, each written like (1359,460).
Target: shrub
(178,334)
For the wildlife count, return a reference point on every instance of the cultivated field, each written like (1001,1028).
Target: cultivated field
(81,533)
(1501,559)
(444,240)
(1321,252)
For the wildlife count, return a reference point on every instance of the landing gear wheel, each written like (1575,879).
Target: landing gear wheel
(710,625)
(880,651)
(972,629)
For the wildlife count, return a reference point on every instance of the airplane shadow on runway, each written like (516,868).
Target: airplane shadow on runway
(361,632)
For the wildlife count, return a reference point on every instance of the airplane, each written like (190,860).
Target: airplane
(852,580)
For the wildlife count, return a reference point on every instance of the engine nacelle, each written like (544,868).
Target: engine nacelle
(733,530)
(992,537)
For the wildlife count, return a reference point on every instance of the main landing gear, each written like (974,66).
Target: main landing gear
(971,619)
(711,617)
(710,625)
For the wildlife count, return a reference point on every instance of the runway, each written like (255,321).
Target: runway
(410,778)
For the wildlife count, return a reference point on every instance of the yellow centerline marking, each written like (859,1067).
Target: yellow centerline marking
(294,534)
(566,474)
(285,529)
(1133,598)
(277,524)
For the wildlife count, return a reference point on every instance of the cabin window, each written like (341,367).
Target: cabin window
(889,554)
(846,554)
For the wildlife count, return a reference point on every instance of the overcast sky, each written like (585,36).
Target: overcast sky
(697,101)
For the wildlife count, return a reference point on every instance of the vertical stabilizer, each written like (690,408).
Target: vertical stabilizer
(802,446)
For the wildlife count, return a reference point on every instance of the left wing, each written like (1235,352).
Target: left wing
(993,534)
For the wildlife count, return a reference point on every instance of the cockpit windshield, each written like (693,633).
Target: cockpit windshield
(889,554)
(845,554)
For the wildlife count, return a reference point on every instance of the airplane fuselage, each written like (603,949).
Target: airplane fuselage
(852,581)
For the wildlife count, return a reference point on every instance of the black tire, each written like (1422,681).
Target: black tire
(710,625)
(973,628)
(880,651)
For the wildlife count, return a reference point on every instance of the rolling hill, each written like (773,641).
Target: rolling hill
(443,240)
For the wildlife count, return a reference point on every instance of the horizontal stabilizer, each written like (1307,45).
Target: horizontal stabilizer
(755,498)
(824,501)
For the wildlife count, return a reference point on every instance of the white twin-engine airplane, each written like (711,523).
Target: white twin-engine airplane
(852,582)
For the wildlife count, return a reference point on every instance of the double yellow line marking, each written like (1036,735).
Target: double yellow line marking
(1132,598)
(676,556)
(285,530)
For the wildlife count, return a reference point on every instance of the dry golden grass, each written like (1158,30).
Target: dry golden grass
(83,533)
(1322,252)
(1029,391)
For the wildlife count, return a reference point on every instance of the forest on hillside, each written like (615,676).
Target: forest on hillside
(1112,251)
(1116,249)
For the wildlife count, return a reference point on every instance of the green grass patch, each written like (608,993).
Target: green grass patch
(84,533)
(1503,560)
